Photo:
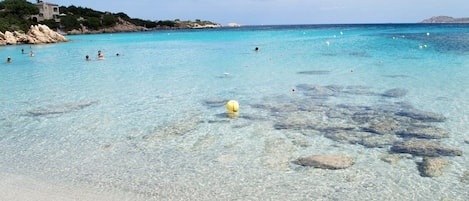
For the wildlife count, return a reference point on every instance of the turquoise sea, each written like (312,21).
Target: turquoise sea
(151,123)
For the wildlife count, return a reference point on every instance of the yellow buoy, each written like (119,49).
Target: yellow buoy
(232,106)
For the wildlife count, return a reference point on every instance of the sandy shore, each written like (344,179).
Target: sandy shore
(23,188)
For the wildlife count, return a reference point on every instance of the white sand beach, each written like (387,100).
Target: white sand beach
(22,188)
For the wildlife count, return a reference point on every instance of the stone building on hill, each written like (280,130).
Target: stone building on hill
(47,11)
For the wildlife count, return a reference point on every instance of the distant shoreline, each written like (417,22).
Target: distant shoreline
(445,19)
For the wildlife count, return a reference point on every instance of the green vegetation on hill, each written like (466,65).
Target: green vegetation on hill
(15,16)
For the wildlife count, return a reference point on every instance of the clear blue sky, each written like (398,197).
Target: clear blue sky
(267,12)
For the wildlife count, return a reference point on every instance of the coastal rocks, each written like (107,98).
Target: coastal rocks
(419,147)
(40,34)
(206,26)
(120,26)
(432,167)
(37,34)
(332,162)
(11,38)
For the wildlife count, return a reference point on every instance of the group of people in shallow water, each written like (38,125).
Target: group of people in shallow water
(31,54)
(100,56)
(87,57)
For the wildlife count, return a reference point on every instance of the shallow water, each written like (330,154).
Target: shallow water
(152,122)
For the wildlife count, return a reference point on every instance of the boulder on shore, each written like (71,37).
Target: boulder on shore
(37,34)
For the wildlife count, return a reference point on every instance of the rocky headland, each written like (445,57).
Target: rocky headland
(37,34)
(126,26)
(445,19)
(120,26)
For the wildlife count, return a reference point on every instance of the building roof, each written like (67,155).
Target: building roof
(46,3)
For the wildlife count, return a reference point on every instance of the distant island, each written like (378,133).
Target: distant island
(445,19)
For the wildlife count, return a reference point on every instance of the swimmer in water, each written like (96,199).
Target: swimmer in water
(100,55)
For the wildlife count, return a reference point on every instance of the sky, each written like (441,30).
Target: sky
(275,12)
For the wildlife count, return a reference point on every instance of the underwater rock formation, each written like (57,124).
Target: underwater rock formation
(420,147)
(61,108)
(395,93)
(426,132)
(332,162)
(433,167)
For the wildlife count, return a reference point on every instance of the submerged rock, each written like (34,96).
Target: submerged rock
(365,116)
(359,90)
(215,102)
(395,93)
(315,72)
(316,90)
(332,162)
(366,139)
(350,137)
(465,177)
(387,126)
(426,132)
(176,129)
(378,141)
(61,108)
(422,116)
(420,147)
(432,167)
(277,153)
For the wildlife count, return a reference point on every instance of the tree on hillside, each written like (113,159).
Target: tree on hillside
(15,15)
(69,23)
(109,20)
(20,8)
